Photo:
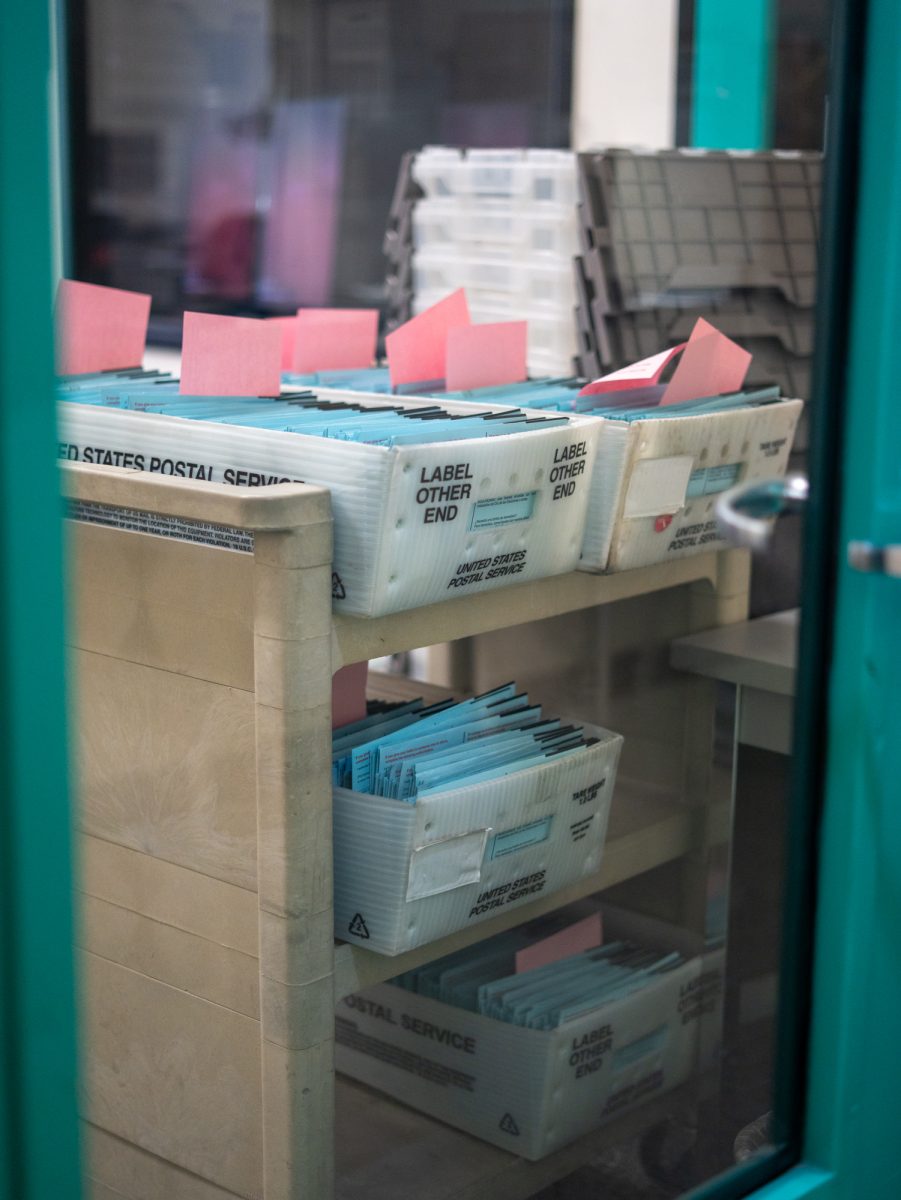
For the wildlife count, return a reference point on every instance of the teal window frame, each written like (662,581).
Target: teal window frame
(851,1126)
(841,979)
(39,1152)
(732,77)
(845,830)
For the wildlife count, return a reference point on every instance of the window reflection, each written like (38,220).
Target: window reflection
(241,154)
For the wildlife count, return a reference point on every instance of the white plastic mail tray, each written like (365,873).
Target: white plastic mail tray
(526,1090)
(656,482)
(406,874)
(413,524)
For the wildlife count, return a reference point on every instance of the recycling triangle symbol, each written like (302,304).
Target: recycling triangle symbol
(508,1125)
(358,927)
(338,592)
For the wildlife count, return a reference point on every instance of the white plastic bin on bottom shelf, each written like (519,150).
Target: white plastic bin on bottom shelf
(656,481)
(531,1091)
(406,874)
(413,524)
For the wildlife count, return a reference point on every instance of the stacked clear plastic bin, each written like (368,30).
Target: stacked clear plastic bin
(502,224)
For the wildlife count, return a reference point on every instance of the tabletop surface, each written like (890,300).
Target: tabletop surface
(759,653)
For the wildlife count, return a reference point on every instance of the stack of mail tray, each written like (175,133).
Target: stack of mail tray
(445,817)
(658,474)
(658,468)
(528,1089)
(424,511)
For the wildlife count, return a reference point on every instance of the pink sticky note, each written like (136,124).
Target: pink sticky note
(99,328)
(485,355)
(349,694)
(583,935)
(711,365)
(335,339)
(288,327)
(644,373)
(417,351)
(230,356)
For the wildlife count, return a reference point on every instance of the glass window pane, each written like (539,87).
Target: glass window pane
(569,992)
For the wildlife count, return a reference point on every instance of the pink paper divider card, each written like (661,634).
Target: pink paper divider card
(335,339)
(288,327)
(582,935)
(230,356)
(644,373)
(485,355)
(417,351)
(99,328)
(349,694)
(711,365)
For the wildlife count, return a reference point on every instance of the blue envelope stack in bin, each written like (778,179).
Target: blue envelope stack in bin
(445,817)
(530,1059)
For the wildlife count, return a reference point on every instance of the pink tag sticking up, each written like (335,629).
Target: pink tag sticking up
(644,373)
(583,935)
(485,355)
(417,351)
(711,365)
(335,339)
(230,356)
(99,328)
(288,327)
(349,694)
